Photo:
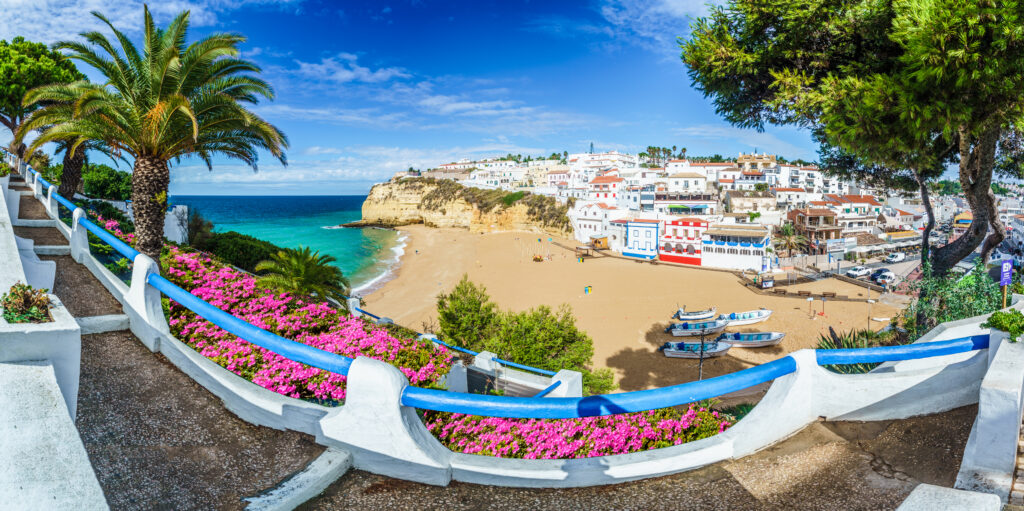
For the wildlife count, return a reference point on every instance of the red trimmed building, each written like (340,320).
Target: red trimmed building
(680,240)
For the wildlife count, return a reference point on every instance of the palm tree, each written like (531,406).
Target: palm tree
(304,272)
(788,239)
(169,101)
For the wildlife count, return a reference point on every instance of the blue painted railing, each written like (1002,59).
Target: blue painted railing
(108,238)
(549,388)
(293,350)
(898,353)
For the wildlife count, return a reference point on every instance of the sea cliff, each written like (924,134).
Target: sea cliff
(445,203)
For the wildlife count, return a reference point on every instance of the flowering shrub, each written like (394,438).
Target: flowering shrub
(114,227)
(573,438)
(292,317)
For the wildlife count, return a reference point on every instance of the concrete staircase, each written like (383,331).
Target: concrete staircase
(1017,492)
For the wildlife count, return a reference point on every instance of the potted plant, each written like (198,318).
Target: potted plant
(25,304)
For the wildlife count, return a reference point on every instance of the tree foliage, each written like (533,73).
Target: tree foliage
(305,272)
(25,65)
(164,102)
(101,181)
(539,337)
(901,84)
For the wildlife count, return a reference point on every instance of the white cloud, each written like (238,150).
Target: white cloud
(55,20)
(356,164)
(344,69)
(333,115)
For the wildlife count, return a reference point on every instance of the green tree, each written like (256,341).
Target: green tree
(787,239)
(899,83)
(305,272)
(101,181)
(539,337)
(169,101)
(25,65)
(466,314)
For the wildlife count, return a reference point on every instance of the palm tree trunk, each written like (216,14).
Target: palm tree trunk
(72,175)
(150,180)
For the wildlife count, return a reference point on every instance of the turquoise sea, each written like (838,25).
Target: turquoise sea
(366,256)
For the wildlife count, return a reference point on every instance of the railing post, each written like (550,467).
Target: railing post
(384,436)
(37,188)
(353,304)
(79,237)
(143,300)
(572,384)
(51,203)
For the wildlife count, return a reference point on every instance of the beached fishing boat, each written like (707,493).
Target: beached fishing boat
(692,350)
(682,315)
(752,340)
(689,329)
(746,318)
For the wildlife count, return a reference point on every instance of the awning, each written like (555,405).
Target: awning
(684,206)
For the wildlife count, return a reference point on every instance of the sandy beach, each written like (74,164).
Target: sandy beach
(627,310)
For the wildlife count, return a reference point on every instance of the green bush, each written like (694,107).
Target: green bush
(237,249)
(1010,321)
(950,298)
(108,211)
(539,337)
(104,182)
(5,169)
(512,198)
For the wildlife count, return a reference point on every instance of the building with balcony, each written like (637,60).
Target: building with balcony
(736,247)
(682,240)
(818,225)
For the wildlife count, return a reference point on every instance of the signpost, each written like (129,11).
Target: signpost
(1005,277)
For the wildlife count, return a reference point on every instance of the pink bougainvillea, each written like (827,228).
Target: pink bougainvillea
(573,438)
(297,318)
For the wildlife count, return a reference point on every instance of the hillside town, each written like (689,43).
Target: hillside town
(723,214)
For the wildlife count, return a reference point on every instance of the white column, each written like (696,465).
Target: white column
(143,304)
(37,188)
(79,237)
(51,202)
(383,436)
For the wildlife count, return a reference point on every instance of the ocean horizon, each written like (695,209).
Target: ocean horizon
(367,256)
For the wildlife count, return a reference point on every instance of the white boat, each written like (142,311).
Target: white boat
(746,318)
(692,350)
(752,340)
(682,315)
(689,329)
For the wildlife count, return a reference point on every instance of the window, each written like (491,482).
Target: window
(647,234)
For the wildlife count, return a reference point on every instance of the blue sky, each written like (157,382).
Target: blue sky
(368,88)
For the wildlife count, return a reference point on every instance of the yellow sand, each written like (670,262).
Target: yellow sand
(627,310)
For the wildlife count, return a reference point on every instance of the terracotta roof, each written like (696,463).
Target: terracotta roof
(812,167)
(676,161)
(819,203)
(606,179)
(866,199)
(726,180)
(752,173)
(790,190)
(690,219)
(903,213)
(645,221)
(716,164)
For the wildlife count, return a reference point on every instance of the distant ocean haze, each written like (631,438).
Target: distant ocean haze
(366,256)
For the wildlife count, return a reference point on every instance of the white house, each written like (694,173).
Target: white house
(687,182)
(642,238)
(604,188)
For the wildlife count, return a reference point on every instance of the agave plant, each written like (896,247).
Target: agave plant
(305,272)
(168,101)
(849,340)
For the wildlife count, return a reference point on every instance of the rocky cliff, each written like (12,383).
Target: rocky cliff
(444,203)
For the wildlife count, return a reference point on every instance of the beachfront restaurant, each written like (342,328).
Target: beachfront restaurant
(737,247)
(681,240)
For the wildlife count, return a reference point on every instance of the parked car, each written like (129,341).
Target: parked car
(886,278)
(882,273)
(857,271)
(896,257)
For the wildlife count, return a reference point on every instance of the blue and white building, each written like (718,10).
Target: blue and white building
(642,238)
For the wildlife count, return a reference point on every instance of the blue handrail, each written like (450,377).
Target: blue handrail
(374,316)
(64,202)
(904,352)
(118,245)
(549,388)
(591,406)
(302,353)
(523,367)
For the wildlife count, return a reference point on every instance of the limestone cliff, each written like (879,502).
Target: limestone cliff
(444,203)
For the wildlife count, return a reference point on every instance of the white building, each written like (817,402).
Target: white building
(687,182)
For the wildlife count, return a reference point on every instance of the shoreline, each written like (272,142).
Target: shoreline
(628,306)
(393,266)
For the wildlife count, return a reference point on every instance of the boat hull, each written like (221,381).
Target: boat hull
(753,340)
(760,315)
(695,315)
(696,332)
(722,349)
